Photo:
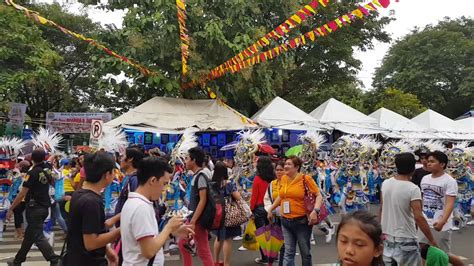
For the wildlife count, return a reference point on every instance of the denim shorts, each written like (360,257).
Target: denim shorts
(401,251)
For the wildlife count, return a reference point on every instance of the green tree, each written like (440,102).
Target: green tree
(28,65)
(43,67)
(404,103)
(349,94)
(435,64)
(218,30)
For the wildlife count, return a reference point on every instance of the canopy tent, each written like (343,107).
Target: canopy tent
(344,118)
(173,115)
(442,126)
(281,114)
(466,123)
(398,126)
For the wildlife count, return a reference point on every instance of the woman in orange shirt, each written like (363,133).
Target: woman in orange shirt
(296,224)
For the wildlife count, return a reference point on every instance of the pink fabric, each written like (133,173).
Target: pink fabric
(82,173)
(203,248)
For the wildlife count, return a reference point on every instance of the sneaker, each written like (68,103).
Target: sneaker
(313,242)
(470,222)
(455,228)
(34,247)
(173,246)
(260,261)
(238,238)
(242,248)
(328,237)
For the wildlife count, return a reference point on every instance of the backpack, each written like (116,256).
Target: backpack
(212,218)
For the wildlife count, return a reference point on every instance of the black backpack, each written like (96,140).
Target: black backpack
(213,216)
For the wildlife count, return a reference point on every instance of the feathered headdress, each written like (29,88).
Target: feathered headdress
(245,151)
(11,146)
(47,139)
(187,141)
(434,145)
(312,137)
(113,140)
(311,141)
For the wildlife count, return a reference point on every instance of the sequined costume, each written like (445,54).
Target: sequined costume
(458,160)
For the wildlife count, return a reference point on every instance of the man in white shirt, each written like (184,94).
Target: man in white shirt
(439,195)
(400,208)
(142,243)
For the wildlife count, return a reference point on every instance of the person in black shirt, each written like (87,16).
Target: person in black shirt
(36,193)
(88,236)
(422,171)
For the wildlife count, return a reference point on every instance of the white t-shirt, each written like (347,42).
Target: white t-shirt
(137,221)
(434,192)
(397,216)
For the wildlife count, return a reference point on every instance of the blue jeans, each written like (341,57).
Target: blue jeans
(401,251)
(297,231)
(56,216)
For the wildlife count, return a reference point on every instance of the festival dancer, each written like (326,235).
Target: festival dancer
(458,159)
(310,142)
(10,180)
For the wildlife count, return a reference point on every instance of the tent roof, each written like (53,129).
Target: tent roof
(334,111)
(434,121)
(466,123)
(172,115)
(345,118)
(441,125)
(399,126)
(281,114)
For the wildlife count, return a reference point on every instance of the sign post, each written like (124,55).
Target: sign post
(96,133)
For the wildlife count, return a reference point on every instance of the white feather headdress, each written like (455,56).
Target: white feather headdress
(113,140)
(187,141)
(434,145)
(254,137)
(462,145)
(370,143)
(11,146)
(47,139)
(313,137)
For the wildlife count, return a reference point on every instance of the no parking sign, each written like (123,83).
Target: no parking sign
(96,133)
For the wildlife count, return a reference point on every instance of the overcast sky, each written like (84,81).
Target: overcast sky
(408,14)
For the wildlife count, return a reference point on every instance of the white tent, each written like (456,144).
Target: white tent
(173,115)
(441,125)
(342,117)
(281,114)
(399,126)
(466,123)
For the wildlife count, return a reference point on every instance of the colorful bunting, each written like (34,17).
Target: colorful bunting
(183,35)
(332,26)
(301,15)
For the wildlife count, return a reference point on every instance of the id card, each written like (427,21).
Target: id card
(286,207)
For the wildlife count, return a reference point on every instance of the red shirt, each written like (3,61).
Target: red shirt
(259,188)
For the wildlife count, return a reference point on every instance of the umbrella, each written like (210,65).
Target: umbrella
(295,150)
(270,239)
(265,148)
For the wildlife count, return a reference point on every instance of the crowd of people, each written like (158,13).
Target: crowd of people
(132,208)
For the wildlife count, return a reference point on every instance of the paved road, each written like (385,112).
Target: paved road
(323,254)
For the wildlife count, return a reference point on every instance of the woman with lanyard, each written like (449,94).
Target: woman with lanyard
(297,225)
(272,193)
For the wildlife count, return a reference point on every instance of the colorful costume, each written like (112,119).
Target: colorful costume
(244,159)
(458,160)
(9,150)
(352,182)
(112,140)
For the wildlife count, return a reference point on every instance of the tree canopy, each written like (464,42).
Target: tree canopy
(44,68)
(220,29)
(435,64)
